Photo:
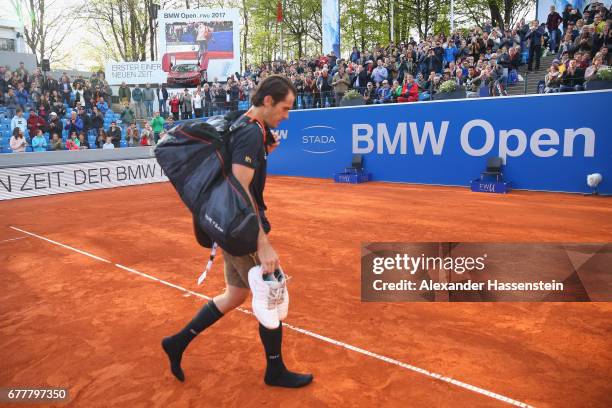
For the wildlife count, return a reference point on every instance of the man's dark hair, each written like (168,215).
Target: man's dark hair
(278,87)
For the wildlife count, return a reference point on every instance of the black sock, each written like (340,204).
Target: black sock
(175,345)
(276,372)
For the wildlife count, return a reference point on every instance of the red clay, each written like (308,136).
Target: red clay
(71,321)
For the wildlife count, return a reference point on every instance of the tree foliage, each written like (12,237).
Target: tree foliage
(45,27)
(128,33)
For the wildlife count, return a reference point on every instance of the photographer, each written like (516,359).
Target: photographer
(535,37)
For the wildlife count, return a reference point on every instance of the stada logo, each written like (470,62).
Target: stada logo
(318,139)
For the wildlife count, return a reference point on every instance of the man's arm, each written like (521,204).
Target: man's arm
(267,255)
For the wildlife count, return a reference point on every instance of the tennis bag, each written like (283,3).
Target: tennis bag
(195,157)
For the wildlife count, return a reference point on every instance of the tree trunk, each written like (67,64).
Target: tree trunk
(362,26)
(148,5)
(245,36)
(40,22)
(133,30)
(508,4)
(496,14)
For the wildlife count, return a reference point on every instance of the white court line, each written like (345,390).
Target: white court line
(62,245)
(12,239)
(309,333)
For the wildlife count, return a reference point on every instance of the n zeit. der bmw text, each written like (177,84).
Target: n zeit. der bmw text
(77,177)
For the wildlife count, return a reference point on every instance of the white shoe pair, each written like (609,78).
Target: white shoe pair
(270,296)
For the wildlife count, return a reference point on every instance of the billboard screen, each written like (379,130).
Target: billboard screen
(199,44)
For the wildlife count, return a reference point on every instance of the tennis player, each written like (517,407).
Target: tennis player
(249,148)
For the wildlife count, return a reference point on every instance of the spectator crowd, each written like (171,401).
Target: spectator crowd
(75,113)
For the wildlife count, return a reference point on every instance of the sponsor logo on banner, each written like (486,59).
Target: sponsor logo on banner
(449,142)
(413,137)
(318,139)
(21,182)
(140,72)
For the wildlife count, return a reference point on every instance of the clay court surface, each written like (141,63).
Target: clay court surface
(69,320)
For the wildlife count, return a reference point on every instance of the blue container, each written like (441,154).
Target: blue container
(352,177)
(490,186)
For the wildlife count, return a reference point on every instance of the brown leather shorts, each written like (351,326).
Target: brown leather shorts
(236,269)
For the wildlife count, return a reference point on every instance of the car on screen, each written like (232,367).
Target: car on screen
(186,74)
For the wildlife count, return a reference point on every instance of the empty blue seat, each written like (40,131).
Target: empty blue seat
(483,91)
(123,143)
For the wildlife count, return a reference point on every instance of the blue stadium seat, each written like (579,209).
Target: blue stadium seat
(483,91)
(29,148)
(123,143)
(6,149)
(525,56)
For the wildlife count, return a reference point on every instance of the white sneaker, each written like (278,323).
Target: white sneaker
(282,304)
(265,297)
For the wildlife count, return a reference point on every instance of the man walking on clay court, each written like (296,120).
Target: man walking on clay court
(249,146)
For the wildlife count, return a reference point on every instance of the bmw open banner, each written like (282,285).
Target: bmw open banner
(204,41)
(547,142)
